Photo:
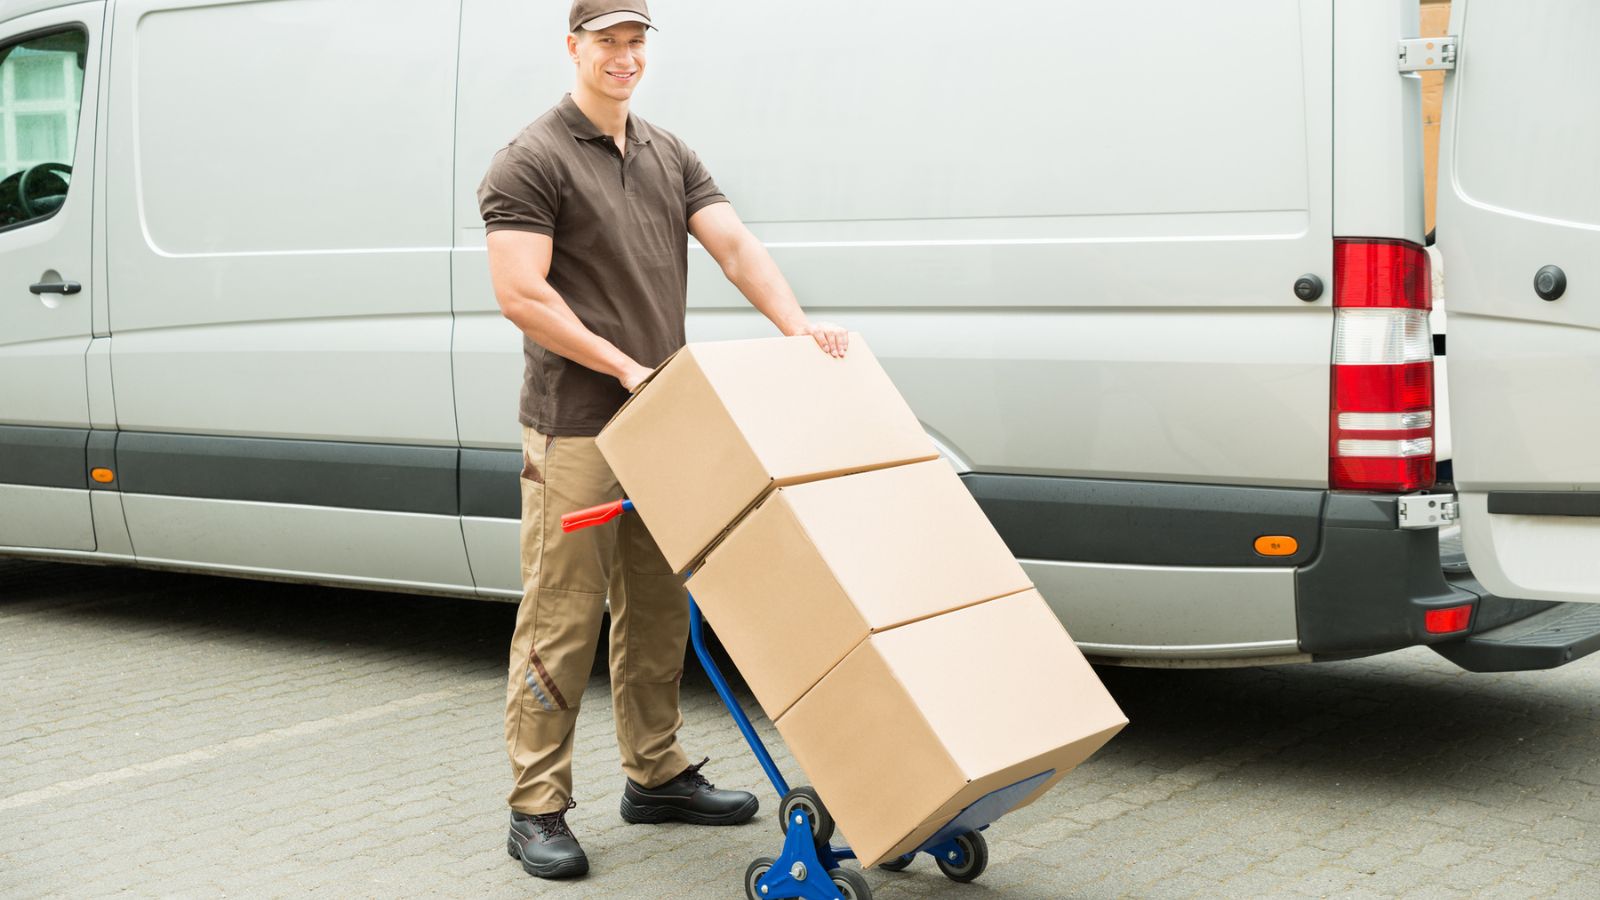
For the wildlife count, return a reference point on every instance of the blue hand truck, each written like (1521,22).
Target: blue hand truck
(808,867)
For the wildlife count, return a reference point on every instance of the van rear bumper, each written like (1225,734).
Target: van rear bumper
(1154,570)
(1371,582)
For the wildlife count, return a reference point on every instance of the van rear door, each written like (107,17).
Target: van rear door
(1519,229)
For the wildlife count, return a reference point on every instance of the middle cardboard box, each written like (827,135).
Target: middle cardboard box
(817,567)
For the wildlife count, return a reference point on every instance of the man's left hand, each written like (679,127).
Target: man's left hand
(830,337)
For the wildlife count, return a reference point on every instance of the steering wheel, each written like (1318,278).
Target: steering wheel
(49,202)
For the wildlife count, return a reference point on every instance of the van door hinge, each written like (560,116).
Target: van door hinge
(1432,54)
(1428,510)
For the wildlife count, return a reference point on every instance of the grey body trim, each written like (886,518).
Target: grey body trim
(316,473)
(43,457)
(489,486)
(1195,651)
(92,557)
(1545,503)
(1145,522)
(1198,662)
(42,517)
(1184,612)
(349,475)
(408,551)
(494,549)
(101,453)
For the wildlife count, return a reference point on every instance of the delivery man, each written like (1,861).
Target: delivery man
(587,212)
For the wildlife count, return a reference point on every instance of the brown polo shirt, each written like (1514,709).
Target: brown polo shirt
(620,258)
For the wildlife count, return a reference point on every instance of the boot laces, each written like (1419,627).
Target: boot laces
(692,777)
(553,825)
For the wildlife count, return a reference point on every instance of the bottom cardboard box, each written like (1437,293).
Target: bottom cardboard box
(919,722)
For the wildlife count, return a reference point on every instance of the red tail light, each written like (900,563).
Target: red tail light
(1381,423)
(1381,273)
(1446,621)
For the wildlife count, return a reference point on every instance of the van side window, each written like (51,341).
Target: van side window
(41,91)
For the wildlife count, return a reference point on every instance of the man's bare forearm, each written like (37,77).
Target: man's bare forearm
(548,321)
(752,270)
(747,264)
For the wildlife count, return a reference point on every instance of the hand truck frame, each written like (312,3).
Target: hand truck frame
(808,867)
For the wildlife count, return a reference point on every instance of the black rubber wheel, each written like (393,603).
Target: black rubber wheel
(975,858)
(898,864)
(753,875)
(806,798)
(850,884)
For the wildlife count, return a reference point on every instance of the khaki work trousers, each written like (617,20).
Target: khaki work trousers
(566,578)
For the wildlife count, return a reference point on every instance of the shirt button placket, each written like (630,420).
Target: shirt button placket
(610,147)
(633,154)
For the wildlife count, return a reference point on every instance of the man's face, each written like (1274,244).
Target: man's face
(610,62)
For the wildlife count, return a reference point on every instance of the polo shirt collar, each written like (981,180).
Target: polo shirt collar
(584,130)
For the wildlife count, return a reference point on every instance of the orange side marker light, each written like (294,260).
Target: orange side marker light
(102,475)
(1276,545)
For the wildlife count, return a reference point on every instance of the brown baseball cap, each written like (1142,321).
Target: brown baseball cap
(594,15)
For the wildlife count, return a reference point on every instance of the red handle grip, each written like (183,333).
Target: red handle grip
(594,515)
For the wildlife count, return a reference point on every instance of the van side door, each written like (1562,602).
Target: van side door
(49,72)
(278,213)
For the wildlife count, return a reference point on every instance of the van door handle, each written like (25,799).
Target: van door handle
(56,287)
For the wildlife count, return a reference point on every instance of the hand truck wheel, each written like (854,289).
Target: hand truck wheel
(806,798)
(898,864)
(974,858)
(850,884)
(753,875)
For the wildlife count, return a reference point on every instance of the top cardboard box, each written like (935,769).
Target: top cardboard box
(720,424)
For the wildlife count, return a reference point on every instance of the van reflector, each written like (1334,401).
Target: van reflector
(1450,619)
(1382,419)
(103,476)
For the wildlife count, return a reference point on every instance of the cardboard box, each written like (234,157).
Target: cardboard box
(920,721)
(719,424)
(818,566)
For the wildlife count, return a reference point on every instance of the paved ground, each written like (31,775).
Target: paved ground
(179,735)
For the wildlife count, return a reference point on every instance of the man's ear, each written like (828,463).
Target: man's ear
(572,47)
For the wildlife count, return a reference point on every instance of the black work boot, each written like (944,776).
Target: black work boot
(688,797)
(545,845)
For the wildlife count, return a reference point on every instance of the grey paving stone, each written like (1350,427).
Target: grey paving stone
(183,736)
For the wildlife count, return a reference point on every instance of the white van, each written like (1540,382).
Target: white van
(1151,274)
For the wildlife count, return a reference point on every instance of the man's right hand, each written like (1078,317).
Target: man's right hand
(633,377)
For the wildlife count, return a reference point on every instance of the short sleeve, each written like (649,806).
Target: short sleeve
(518,193)
(699,191)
